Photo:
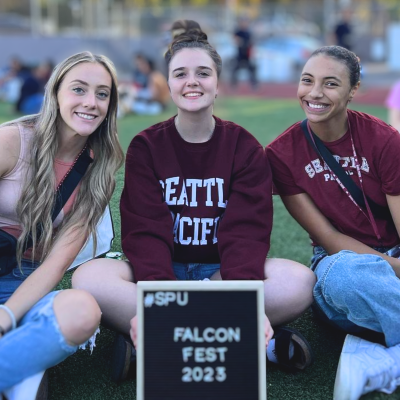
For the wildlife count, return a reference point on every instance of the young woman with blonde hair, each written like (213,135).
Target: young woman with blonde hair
(40,328)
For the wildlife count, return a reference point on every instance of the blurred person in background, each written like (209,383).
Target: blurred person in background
(31,93)
(140,78)
(343,30)
(393,105)
(75,129)
(244,43)
(147,96)
(355,233)
(220,227)
(11,79)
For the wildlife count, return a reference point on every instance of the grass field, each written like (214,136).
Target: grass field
(87,377)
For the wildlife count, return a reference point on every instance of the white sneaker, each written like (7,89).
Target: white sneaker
(32,388)
(364,367)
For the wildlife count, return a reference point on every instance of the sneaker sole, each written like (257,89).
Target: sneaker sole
(33,387)
(43,391)
(344,385)
(305,348)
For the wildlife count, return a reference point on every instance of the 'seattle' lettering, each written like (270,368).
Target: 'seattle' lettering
(186,192)
(189,197)
(349,163)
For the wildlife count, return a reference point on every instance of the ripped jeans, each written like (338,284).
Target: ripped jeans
(37,343)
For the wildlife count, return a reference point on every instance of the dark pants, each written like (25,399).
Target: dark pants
(246,64)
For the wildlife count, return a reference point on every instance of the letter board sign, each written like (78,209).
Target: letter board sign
(201,340)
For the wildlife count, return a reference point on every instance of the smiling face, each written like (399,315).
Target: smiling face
(193,80)
(83,99)
(324,89)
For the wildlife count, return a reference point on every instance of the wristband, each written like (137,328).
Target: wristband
(11,315)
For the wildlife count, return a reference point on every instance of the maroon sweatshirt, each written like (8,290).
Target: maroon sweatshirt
(196,202)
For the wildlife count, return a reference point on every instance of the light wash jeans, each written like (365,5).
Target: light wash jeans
(37,343)
(357,291)
(194,272)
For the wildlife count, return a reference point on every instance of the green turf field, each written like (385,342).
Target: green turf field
(87,377)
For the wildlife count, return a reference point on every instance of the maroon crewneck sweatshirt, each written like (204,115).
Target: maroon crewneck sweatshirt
(196,202)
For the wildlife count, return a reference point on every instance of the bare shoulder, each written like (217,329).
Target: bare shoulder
(10,145)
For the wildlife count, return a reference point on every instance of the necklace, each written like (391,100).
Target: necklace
(70,168)
(209,135)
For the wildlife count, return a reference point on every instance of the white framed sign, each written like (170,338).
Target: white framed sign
(201,340)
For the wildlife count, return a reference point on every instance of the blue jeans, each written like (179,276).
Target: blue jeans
(356,292)
(194,272)
(37,343)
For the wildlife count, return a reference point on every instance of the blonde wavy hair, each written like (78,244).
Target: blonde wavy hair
(37,200)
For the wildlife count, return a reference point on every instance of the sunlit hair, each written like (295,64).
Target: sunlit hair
(194,38)
(37,200)
(183,25)
(346,57)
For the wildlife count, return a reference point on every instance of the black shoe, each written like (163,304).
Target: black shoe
(302,357)
(123,359)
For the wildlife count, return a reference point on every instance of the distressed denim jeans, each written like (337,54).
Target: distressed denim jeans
(37,343)
(355,292)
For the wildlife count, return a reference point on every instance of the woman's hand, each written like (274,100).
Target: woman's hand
(133,330)
(268,331)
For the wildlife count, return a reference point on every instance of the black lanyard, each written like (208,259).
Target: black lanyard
(355,194)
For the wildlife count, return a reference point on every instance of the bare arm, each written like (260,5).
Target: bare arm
(10,144)
(394,207)
(64,251)
(43,280)
(394,118)
(306,213)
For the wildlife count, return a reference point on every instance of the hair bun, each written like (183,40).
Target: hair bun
(192,35)
(187,30)
(182,26)
(197,34)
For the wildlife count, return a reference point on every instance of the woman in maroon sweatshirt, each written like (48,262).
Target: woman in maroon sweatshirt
(197,203)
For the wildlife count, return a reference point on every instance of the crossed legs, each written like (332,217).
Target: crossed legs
(110,282)
(288,290)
